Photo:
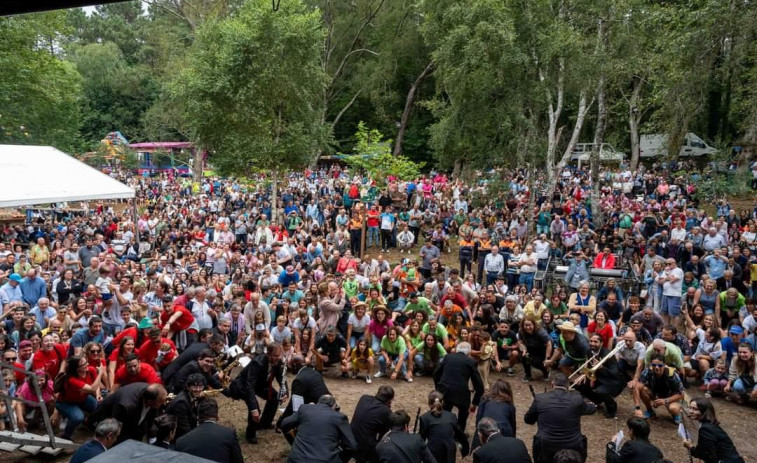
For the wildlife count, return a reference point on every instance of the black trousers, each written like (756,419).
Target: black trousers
(355,242)
(464,264)
(266,419)
(544,451)
(386,239)
(603,394)
(535,362)
(461,401)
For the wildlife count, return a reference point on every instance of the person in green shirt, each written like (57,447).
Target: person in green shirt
(427,356)
(438,330)
(557,307)
(393,355)
(417,303)
(350,284)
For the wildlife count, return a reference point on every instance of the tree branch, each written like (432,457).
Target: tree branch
(344,109)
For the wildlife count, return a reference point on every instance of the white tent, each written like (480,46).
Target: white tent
(32,175)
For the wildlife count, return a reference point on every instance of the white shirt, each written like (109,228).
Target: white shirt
(494,263)
(528,268)
(673,289)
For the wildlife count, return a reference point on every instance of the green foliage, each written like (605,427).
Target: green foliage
(39,92)
(251,91)
(373,155)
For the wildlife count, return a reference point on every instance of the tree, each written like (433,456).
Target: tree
(373,155)
(39,91)
(252,89)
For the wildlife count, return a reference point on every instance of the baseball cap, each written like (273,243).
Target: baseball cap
(736,330)
(15,277)
(260,327)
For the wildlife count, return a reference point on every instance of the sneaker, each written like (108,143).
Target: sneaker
(379,375)
(510,371)
(526,379)
(420,373)
(677,419)
(649,414)
(548,375)
(708,395)
(368,379)
(409,379)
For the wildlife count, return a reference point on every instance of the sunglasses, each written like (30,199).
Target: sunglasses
(95,351)
(658,365)
(11,359)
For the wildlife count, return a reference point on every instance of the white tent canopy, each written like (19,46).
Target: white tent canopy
(42,174)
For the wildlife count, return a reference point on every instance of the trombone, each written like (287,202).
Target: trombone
(590,367)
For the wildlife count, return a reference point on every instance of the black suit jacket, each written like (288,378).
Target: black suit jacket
(609,374)
(715,446)
(721,285)
(253,381)
(453,374)
(369,422)
(179,380)
(633,451)
(212,441)
(309,385)
(402,447)
(125,405)
(185,412)
(558,414)
(189,354)
(321,432)
(500,448)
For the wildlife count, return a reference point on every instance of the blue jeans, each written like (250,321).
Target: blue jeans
(375,344)
(527,279)
(373,236)
(354,338)
(394,358)
(542,229)
(739,387)
(74,413)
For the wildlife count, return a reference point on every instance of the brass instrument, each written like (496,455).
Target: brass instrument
(227,372)
(590,367)
(203,394)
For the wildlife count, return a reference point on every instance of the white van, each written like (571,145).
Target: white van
(607,153)
(657,145)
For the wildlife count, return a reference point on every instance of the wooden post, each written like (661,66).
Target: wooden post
(361,213)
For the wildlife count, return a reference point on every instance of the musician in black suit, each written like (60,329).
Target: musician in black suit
(164,429)
(308,384)
(135,406)
(451,378)
(204,365)
(321,432)
(190,353)
(184,405)
(256,380)
(440,430)
(399,446)
(637,449)
(370,421)
(496,447)
(558,415)
(210,440)
(608,383)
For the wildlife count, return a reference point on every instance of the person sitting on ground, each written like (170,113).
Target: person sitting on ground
(716,379)
(637,448)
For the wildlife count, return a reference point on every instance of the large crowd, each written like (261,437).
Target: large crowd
(377,278)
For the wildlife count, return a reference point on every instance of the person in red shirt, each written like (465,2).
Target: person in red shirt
(50,357)
(605,259)
(175,319)
(78,392)
(135,371)
(157,351)
(117,358)
(138,333)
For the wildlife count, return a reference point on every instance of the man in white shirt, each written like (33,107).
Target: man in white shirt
(201,310)
(527,264)
(671,280)
(631,358)
(494,264)
(541,248)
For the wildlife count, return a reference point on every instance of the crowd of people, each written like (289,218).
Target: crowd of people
(346,276)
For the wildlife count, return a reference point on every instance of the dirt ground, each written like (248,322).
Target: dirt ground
(599,430)
(273,448)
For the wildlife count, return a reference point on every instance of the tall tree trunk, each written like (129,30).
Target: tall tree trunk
(409,108)
(532,193)
(274,195)
(599,133)
(198,162)
(599,136)
(457,170)
(554,171)
(634,118)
